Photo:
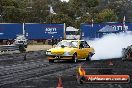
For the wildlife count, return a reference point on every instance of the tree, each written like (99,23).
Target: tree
(7,8)
(80,7)
(9,3)
(60,18)
(106,15)
(74,11)
(121,8)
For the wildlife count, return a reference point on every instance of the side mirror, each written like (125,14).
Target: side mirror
(80,46)
(62,46)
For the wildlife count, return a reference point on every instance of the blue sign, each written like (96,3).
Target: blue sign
(10,30)
(44,31)
(89,31)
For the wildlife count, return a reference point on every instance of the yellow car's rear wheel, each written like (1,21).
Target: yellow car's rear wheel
(89,56)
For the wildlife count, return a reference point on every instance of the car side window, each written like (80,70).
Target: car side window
(74,44)
(81,45)
(86,45)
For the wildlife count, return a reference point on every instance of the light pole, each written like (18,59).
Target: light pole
(50,13)
(41,12)
(52,41)
(28,12)
(1,18)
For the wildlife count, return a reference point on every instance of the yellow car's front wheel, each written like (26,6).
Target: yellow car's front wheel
(74,58)
(51,60)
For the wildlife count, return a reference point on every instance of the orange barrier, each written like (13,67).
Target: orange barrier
(59,85)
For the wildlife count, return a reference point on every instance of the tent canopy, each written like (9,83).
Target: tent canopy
(71,29)
(107,29)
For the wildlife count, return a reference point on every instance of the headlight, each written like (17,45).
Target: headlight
(48,53)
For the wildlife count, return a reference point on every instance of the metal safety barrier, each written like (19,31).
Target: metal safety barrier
(6,49)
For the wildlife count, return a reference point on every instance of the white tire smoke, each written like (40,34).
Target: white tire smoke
(110,45)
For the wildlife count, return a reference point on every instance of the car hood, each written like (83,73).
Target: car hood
(60,50)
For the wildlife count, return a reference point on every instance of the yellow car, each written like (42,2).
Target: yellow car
(70,50)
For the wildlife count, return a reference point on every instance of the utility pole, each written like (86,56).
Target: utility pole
(1,18)
(52,41)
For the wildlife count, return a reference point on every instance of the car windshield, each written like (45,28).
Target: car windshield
(73,44)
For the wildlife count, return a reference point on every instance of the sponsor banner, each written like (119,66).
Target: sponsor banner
(10,30)
(107,78)
(44,31)
(110,27)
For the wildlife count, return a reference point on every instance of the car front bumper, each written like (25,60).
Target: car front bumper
(59,57)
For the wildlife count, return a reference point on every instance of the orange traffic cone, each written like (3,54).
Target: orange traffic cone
(110,62)
(59,85)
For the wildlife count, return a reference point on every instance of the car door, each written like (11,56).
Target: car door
(81,50)
(87,49)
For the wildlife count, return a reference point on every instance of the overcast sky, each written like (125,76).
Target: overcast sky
(65,0)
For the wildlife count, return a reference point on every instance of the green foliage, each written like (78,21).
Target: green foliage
(121,8)
(80,7)
(72,13)
(106,15)
(9,3)
(59,18)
